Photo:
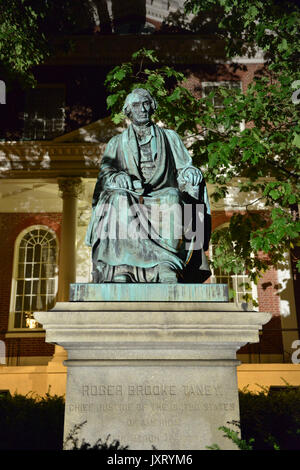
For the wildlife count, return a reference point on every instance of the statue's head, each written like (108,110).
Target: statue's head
(139,106)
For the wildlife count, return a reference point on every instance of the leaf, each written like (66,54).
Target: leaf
(175,95)
(283,45)
(111,100)
(117,118)
(296,140)
(120,74)
(274,194)
(253,10)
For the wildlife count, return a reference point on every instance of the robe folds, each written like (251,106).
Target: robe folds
(133,229)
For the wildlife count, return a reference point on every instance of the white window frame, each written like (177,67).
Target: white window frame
(56,123)
(22,234)
(235,277)
(225,84)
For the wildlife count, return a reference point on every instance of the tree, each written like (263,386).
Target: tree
(271,107)
(271,25)
(261,160)
(29,32)
(22,44)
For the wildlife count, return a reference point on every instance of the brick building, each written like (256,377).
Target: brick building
(52,138)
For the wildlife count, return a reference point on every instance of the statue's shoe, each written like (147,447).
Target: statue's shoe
(122,278)
(167,275)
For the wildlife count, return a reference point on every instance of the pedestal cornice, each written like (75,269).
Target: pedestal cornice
(147,330)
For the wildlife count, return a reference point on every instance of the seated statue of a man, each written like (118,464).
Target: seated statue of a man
(151,218)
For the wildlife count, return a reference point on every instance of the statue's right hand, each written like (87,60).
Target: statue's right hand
(122,180)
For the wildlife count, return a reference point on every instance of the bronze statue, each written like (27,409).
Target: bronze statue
(147,199)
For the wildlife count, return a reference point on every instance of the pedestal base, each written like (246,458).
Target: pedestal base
(159,374)
(147,292)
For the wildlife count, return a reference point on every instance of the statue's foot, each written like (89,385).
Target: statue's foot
(166,275)
(122,278)
(96,277)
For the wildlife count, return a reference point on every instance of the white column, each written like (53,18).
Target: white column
(70,189)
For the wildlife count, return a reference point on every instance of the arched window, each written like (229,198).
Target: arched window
(35,276)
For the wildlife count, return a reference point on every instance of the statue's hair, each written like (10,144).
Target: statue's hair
(138,91)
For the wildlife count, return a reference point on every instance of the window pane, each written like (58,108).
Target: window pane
(22,255)
(51,285)
(37,253)
(27,287)
(52,256)
(34,233)
(19,300)
(43,286)
(37,303)
(28,270)
(48,270)
(27,303)
(36,270)
(45,254)
(41,302)
(20,286)
(21,270)
(218,101)
(23,321)
(29,254)
(35,287)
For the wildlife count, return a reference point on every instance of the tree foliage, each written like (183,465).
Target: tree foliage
(22,44)
(259,158)
(261,412)
(29,30)
(270,25)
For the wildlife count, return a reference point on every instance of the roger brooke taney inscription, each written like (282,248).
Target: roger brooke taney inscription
(149,410)
(150,217)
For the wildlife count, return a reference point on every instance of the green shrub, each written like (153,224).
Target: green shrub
(271,419)
(72,442)
(31,422)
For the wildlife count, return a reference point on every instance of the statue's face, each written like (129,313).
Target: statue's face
(140,109)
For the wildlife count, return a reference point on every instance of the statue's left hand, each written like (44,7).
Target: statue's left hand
(192,175)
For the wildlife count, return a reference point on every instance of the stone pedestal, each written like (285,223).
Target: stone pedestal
(155,373)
